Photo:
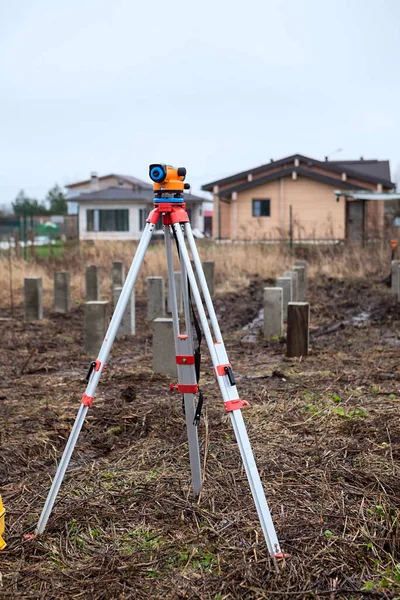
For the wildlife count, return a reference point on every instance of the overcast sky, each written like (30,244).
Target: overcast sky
(215,85)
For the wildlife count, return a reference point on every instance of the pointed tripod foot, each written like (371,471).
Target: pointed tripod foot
(281,555)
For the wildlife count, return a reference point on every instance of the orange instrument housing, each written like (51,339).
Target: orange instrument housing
(173,181)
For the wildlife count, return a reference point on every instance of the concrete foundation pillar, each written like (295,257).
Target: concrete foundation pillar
(301,282)
(33,298)
(92,283)
(294,277)
(155,297)
(209,274)
(286,284)
(127,326)
(303,263)
(395,277)
(273,312)
(298,329)
(179,297)
(95,326)
(62,296)
(117,274)
(164,360)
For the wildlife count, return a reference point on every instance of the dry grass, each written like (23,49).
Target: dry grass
(235,265)
(325,433)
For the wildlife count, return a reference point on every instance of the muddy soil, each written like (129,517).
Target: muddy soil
(324,429)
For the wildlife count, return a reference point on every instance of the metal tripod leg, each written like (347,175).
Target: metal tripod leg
(226,383)
(186,372)
(95,375)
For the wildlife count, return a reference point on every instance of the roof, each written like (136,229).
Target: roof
(127,178)
(373,168)
(356,195)
(284,173)
(372,171)
(126,195)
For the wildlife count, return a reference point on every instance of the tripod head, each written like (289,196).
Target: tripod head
(168,180)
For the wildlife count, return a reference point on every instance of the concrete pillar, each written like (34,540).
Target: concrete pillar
(62,297)
(164,360)
(303,263)
(286,284)
(155,297)
(117,274)
(127,326)
(294,277)
(33,298)
(298,329)
(301,282)
(209,274)
(92,283)
(395,277)
(179,297)
(95,326)
(273,312)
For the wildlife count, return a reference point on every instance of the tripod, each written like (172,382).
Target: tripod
(169,204)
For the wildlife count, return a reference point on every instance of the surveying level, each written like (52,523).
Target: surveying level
(169,204)
(168,180)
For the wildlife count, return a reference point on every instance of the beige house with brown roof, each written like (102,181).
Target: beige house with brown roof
(256,204)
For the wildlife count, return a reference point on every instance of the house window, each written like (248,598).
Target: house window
(107,220)
(143,214)
(90,220)
(261,208)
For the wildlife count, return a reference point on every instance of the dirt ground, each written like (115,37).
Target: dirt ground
(325,432)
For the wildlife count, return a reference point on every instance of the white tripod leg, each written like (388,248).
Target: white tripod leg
(226,382)
(186,370)
(87,398)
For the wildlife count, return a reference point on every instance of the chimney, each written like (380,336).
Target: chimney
(361,158)
(94,182)
(272,160)
(326,159)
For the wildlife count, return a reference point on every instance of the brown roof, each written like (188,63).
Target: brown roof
(371,171)
(285,173)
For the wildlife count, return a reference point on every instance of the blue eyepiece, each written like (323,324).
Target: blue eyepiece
(157,173)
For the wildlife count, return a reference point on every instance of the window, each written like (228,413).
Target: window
(107,220)
(143,214)
(261,208)
(114,220)
(90,220)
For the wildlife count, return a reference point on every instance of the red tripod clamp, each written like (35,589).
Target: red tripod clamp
(184,389)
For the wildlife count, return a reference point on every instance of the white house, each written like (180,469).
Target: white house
(115,207)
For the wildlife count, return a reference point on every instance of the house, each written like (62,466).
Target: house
(115,207)
(296,195)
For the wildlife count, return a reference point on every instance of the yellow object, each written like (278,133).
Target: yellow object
(2,524)
(172,179)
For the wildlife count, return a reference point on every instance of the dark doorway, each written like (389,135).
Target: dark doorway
(355,221)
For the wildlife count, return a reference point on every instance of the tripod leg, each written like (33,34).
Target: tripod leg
(95,375)
(186,370)
(226,381)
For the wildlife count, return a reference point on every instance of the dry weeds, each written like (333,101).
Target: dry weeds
(235,265)
(325,432)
